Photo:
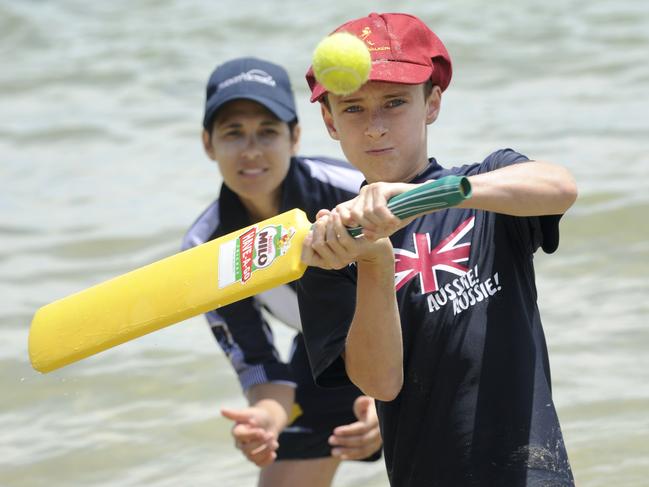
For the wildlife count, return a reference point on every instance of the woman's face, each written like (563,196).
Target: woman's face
(253,149)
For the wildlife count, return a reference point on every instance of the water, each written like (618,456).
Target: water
(101,171)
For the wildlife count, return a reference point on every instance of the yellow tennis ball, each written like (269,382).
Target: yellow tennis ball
(341,63)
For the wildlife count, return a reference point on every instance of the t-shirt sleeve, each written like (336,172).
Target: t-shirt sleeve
(327,301)
(536,231)
(247,340)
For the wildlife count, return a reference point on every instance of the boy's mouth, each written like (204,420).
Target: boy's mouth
(379,152)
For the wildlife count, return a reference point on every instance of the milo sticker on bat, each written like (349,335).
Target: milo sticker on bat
(255,249)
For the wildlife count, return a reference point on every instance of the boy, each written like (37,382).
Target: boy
(251,130)
(457,356)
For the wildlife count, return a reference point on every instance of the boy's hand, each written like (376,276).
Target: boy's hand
(330,246)
(253,434)
(370,210)
(361,439)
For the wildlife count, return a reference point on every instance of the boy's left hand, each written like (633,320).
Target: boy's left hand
(361,439)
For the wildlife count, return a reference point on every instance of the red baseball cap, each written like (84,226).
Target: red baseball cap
(403,49)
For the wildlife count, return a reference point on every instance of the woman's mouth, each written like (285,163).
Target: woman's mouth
(252,172)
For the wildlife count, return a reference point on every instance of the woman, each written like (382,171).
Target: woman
(297,432)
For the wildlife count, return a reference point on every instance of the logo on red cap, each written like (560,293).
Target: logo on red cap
(371,46)
(365,33)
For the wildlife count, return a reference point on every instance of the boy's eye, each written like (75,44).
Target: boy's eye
(395,102)
(232,133)
(352,109)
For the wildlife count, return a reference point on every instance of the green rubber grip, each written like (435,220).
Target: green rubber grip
(433,195)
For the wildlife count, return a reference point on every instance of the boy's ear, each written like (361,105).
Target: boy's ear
(207,144)
(329,121)
(433,104)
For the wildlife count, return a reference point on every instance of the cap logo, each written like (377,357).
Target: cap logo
(254,75)
(365,34)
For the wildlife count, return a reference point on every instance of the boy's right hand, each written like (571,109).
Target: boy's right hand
(370,210)
(330,246)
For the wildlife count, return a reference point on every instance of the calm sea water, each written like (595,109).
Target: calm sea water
(101,171)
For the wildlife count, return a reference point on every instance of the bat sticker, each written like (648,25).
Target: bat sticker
(255,249)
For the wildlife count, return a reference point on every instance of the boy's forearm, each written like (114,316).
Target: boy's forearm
(533,188)
(373,350)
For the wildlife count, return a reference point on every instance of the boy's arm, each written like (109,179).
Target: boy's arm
(373,351)
(532,188)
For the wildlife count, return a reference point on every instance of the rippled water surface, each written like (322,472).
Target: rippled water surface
(101,171)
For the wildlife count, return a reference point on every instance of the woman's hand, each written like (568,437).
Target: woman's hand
(361,439)
(254,434)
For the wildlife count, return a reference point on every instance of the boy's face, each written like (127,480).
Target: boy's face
(382,128)
(252,148)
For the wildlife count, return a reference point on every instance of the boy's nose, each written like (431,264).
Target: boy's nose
(375,126)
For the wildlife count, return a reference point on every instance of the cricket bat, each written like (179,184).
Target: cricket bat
(214,274)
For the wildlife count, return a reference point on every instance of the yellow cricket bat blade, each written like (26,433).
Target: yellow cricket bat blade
(216,273)
(220,272)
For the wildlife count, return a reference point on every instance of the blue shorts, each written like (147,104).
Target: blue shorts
(318,411)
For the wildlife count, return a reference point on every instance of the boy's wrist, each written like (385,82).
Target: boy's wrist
(380,254)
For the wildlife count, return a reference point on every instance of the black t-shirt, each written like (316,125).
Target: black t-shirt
(476,405)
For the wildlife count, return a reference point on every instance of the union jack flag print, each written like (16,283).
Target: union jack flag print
(448,255)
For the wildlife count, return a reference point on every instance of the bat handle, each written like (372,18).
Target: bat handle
(433,195)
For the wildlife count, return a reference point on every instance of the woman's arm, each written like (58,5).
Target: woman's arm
(257,427)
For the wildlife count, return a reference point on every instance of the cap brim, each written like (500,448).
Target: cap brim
(388,71)
(280,111)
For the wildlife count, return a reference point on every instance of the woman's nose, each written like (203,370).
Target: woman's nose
(251,148)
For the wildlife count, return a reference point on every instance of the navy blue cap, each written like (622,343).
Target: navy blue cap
(251,79)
